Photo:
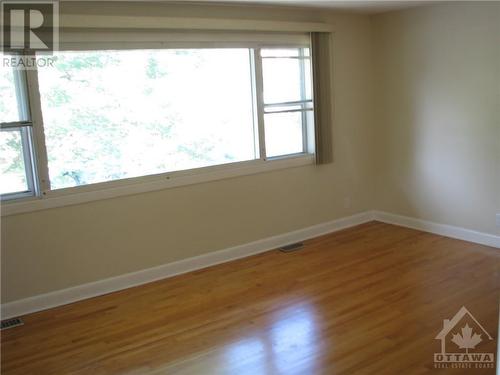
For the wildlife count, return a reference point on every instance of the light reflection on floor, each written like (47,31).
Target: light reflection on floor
(285,348)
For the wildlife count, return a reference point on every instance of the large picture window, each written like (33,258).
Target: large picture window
(111,115)
(107,115)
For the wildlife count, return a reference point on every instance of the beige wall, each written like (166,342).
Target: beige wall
(437,103)
(58,248)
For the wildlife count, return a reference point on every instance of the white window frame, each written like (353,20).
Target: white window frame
(45,198)
(24,126)
(306,105)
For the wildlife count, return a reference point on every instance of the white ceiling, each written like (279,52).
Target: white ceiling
(364,6)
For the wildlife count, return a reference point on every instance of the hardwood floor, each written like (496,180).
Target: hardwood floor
(367,300)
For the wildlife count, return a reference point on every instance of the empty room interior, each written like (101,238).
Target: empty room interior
(264,187)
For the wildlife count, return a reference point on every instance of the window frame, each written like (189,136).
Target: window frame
(44,197)
(306,105)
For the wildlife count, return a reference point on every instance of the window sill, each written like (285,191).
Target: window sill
(113,189)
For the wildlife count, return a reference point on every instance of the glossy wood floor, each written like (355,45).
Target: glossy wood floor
(367,300)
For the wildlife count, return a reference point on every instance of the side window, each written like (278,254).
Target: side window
(288,105)
(17,172)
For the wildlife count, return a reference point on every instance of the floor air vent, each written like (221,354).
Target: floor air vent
(292,247)
(11,323)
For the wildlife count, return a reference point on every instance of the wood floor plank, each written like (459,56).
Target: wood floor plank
(366,300)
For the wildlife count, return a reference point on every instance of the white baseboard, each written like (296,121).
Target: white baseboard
(97,288)
(436,228)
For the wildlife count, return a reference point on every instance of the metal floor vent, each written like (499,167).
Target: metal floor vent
(11,323)
(292,247)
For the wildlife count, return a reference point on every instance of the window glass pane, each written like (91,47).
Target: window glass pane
(12,163)
(8,103)
(117,114)
(281,80)
(283,133)
(283,77)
